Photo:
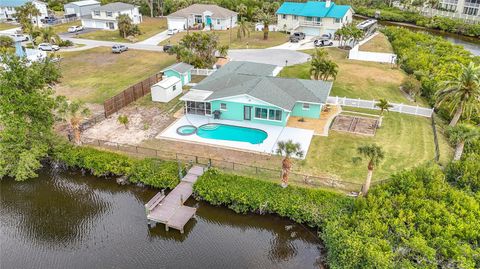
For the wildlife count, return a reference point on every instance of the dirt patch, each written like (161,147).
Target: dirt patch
(143,123)
(355,124)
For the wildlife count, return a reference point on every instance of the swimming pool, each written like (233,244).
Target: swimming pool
(232,133)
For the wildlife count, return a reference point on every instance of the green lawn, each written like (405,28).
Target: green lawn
(97,74)
(379,43)
(357,79)
(6,26)
(407,141)
(254,41)
(149,27)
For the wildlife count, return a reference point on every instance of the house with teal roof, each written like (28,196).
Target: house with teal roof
(249,92)
(313,17)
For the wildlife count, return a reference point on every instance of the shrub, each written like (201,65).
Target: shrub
(65,43)
(155,173)
(411,85)
(242,194)
(465,174)
(414,221)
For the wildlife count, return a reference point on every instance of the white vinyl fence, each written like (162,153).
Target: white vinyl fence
(380,57)
(202,72)
(370,104)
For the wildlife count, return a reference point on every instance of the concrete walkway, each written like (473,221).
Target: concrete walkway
(97,43)
(154,40)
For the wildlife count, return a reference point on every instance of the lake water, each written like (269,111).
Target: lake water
(66,220)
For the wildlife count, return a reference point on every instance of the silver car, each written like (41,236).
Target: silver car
(118,48)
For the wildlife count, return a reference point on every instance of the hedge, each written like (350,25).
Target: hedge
(242,194)
(152,172)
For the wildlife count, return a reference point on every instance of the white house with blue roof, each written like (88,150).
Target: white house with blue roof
(7,9)
(313,17)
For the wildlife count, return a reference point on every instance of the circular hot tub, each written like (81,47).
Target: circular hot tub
(186,130)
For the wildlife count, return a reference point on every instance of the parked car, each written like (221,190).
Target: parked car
(118,48)
(74,29)
(166,48)
(172,31)
(322,43)
(19,37)
(48,47)
(49,20)
(295,37)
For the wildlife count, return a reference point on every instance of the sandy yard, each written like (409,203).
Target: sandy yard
(144,123)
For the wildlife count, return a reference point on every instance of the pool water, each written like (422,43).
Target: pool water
(232,133)
(186,130)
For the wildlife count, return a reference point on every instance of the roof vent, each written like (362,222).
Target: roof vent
(327,3)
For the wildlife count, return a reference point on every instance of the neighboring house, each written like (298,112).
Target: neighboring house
(167,89)
(105,17)
(245,91)
(182,71)
(199,15)
(7,9)
(80,8)
(313,18)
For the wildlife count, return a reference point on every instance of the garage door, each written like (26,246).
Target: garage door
(176,24)
(311,31)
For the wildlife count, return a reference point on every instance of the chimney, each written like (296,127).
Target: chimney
(327,3)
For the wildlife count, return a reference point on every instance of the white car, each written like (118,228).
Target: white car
(48,47)
(74,29)
(172,31)
(19,37)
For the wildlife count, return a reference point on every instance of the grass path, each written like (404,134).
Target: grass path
(97,74)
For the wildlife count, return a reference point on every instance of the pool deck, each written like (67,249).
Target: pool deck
(269,145)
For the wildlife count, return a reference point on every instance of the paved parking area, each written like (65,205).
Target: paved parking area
(280,57)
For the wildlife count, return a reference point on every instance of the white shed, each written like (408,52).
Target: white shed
(167,89)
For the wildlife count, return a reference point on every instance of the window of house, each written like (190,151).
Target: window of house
(174,87)
(284,16)
(223,106)
(295,17)
(218,21)
(268,114)
(109,14)
(318,19)
(306,106)
(96,13)
(309,18)
(338,20)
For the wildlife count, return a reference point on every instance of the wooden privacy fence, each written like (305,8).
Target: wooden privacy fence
(130,94)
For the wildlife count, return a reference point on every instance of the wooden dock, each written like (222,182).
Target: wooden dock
(169,209)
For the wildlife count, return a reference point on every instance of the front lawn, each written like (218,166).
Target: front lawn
(357,79)
(6,26)
(254,41)
(407,141)
(97,74)
(149,27)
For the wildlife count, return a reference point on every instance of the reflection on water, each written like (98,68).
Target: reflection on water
(63,219)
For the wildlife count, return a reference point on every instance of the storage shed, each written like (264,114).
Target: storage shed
(180,70)
(80,8)
(167,89)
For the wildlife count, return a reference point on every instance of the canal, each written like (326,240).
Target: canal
(66,220)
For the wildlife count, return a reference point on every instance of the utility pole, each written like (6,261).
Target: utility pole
(230,39)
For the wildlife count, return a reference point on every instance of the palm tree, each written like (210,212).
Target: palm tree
(287,149)
(462,93)
(242,10)
(266,18)
(123,119)
(375,155)
(124,25)
(73,113)
(243,29)
(223,51)
(47,35)
(321,67)
(31,11)
(330,70)
(383,105)
(460,135)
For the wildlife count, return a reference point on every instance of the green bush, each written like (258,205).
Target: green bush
(155,173)
(465,174)
(414,221)
(242,194)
